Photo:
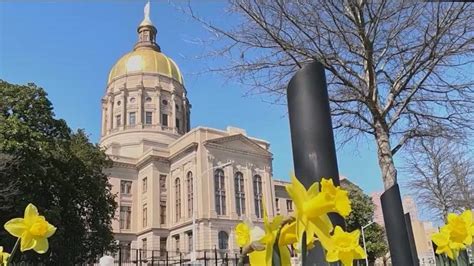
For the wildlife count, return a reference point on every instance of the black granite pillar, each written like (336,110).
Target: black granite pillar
(312,138)
(411,239)
(396,228)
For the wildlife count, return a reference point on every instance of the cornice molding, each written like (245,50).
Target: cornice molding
(159,231)
(117,164)
(219,144)
(184,151)
(223,148)
(151,158)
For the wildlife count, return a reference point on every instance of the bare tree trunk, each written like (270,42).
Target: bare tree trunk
(385,157)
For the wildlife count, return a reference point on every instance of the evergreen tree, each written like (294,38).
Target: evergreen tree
(362,214)
(59,171)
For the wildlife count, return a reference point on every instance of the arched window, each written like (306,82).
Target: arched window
(258,194)
(219,184)
(223,240)
(239,193)
(177,187)
(189,180)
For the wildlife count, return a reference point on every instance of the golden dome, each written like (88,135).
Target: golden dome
(146,61)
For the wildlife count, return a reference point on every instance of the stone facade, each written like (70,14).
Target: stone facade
(167,175)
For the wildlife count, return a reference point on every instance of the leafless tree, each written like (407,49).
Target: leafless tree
(397,70)
(440,175)
(463,174)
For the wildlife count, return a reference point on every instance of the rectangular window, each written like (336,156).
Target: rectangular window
(190,241)
(177,123)
(239,193)
(125,187)
(145,214)
(125,217)
(219,185)
(148,118)
(258,195)
(145,184)
(189,182)
(163,183)
(163,212)
(125,250)
(164,120)
(177,244)
(162,246)
(118,120)
(144,245)
(131,118)
(289,205)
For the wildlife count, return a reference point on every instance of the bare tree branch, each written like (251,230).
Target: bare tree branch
(440,175)
(397,70)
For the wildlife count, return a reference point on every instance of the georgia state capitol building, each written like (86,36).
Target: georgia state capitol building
(177,186)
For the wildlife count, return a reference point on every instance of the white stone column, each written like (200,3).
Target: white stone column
(158,107)
(172,198)
(103,128)
(184,192)
(172,123)
(268,204)
(249,193)
(232,199)
(271,191)
(124,108)
(140,114)
(185,114)
(212,187)
(110,112)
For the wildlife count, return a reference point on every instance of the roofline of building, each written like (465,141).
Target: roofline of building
(203,128)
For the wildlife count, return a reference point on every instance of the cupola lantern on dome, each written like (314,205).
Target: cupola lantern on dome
(147,32)
(146,56)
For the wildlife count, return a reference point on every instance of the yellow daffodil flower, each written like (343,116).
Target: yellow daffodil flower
(246,233)
(271,228)
(313,206)
(455,235)
(32,229)
(331,199)
(242,234)
(461,227)
(288,234)
(344,246)
(443,243)
(3,257)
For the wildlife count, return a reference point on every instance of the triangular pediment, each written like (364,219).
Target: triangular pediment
(237,143)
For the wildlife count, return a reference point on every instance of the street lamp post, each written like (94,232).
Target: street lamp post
(363,241)
(193,254)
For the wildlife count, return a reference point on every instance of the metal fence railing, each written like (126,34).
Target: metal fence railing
(142,257)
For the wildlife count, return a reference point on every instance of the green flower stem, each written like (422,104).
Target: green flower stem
(303,250)
(276,258)
(17,243)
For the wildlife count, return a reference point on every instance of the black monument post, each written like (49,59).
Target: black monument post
(411,240)
(396,228)
(314,157)
(312,138)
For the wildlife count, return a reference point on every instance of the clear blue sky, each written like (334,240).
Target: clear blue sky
(68,48)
